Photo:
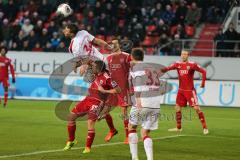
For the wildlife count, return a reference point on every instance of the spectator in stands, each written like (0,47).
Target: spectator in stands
(62,47)
(6,30)
(44,10)
(25,46)
(176,46)
(180,31)
(10,9)
(164,40)
(48,47)
(55,41)
(45,37)
(220,44)
(32,39)
(27,27)
(157,11)
(162,28)
(193,15)
(168,15)
(181,12)
(37,47)
(231,36)
(38,28)
(52,27)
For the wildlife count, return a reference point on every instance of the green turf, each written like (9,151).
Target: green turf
(29,126)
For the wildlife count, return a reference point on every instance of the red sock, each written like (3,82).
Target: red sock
(90,138)
(5,97)
(179,119)
(126,127)
(202,119)
(110,122)
(71,132)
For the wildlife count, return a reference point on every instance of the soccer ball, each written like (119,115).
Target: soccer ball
(64,9)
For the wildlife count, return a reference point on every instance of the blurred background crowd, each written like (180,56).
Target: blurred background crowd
(31,25)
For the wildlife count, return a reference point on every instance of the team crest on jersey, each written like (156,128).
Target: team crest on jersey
(188,67)
(101,81)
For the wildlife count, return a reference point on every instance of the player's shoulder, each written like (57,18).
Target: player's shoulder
(192,62)
(125,54)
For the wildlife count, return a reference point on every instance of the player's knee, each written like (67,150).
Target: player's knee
(144,133)
(197,109)
(6,89)
(91,124)
(178,108)
(132,127)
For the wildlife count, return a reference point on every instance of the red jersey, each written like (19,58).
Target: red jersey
(103,80)
(118,65)
(186,73)
(5,64)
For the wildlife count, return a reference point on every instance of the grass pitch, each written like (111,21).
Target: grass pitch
(30,130)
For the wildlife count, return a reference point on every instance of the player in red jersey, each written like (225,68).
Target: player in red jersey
(92,105)
(5,64)
(186,92)
(118,65)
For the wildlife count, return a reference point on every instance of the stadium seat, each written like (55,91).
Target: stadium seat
(151,28)
(150,50)
(150,41)
(190,30)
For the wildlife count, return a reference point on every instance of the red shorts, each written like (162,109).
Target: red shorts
(90,107)
(5,82)
(184,97)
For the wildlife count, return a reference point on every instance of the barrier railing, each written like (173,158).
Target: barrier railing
(227,46)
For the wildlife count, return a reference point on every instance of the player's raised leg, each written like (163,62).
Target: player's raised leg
(71,127)
(110,124)
(148,143)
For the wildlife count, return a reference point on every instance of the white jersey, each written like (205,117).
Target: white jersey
(81,45)
(145,80)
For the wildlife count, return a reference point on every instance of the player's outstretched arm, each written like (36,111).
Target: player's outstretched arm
(110,91)
(203,72)
(102,43)
(171,67)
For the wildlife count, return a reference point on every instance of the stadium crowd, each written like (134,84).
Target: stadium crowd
(33,26)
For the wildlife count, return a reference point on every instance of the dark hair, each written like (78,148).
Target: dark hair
(138,54)
(73,28)
(5,48)
(101,66)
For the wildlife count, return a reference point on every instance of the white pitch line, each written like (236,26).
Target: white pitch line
(94,146)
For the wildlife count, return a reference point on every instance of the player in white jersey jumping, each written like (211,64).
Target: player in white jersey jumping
(146,108)
(81,45)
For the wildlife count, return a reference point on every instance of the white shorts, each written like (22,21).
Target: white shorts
(146,117)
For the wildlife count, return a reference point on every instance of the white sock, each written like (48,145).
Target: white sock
(148,146)
(133,144)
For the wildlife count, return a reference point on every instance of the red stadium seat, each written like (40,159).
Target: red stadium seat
(151,28)
(149,41)
(190,30)
(150,51)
